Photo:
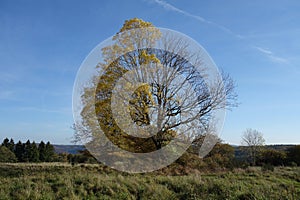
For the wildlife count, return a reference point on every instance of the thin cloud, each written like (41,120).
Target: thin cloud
(271,55)
(264,51)
(170,7)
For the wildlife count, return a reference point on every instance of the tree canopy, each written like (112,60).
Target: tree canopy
(172,102)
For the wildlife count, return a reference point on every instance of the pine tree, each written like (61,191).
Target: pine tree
(6,155)
(11,145)
(34,153)
(42,151)
(49,152)
(19,151)
(5,142)
(27,151)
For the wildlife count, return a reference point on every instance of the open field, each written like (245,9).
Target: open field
(87,181)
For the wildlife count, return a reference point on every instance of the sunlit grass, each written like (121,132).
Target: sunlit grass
(92,181)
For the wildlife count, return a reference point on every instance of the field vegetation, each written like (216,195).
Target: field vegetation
(95,181)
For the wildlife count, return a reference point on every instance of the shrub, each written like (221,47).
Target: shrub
(293,164)
(293,154)
(7,155)
(267,167)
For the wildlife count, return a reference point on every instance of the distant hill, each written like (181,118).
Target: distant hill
(71,149)
(280,147)
(240,154)
(74,149)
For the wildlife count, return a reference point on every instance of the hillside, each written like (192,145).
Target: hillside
(73,149)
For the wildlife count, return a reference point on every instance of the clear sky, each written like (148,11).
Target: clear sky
(42,44)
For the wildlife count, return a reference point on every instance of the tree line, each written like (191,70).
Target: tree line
(257,153)
(26,152)
(222,156)
(39,152)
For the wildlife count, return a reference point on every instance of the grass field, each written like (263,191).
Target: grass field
(87,181)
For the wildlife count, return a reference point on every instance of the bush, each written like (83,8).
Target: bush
(7,155)
(293,154)
(267,167)
(293,164)
(272,157)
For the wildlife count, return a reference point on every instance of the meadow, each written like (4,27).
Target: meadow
(95,181)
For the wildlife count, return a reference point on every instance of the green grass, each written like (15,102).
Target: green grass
(63,181)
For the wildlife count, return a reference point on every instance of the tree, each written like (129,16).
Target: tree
(34,153)
(9,144)
(167,103)
(272,157)
(6,155)
(293,154)
(19,151)
(42,151)
(49,152)
(5,142)
(31,153)
(254,141)
(27,151)
(223,154)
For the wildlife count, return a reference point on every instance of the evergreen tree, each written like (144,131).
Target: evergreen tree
(5,142)
(42,151)
(34,153)
(11,145)
(19,151)
(294,154)
(6,155)
(49,152)
(27,151)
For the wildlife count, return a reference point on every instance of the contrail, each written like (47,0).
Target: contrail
(170,7)
(269,54)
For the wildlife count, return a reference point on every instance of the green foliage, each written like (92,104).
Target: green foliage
(6,155)
(83,157)
(293,154)
(19,150)
(42,151)
(27,151)
(293,164)
(34,153)
(272,157)
(267,167)
(49,152)
(5,142)
(31,152)
(222,154)
(10,144)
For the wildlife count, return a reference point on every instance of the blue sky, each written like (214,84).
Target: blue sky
(42,44)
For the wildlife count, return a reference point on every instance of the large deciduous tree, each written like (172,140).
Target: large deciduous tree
(174,102)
